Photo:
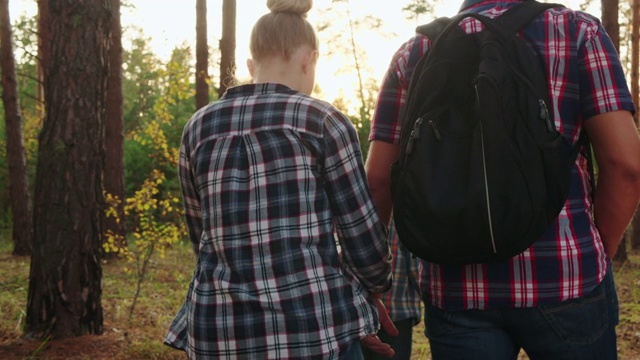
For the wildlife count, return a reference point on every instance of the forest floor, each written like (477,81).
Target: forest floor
(140,335)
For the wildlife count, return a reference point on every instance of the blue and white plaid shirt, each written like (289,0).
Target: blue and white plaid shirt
(267,174)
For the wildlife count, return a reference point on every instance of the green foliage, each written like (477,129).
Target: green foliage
(141,81)
(152,232)
(158,103)
(152,207)
(177,104)
(416,8)
(138,164)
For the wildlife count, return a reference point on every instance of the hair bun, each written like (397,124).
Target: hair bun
(300,7)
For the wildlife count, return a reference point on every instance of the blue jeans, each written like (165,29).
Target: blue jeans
(354,352)
(582,328)
(401,344)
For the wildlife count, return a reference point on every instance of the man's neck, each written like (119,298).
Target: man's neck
(467,3)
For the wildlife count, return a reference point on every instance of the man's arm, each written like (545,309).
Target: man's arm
(378,168)
(617,150)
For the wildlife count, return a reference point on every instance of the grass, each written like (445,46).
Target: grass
(138,337)
(162,294)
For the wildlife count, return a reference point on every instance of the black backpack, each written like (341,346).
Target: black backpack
(482,170)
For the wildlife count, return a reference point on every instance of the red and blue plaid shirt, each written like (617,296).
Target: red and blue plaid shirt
(403,301)
(267,174)
(585,78)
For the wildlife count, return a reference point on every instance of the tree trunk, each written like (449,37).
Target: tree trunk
(635,93)
(114,137)
(610,20)
(44,41)
(18,179)
(64,297)
(227,46)
(202,55)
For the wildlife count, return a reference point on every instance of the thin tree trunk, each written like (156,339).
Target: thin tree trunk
(610,20)
(114,136)
(227,46)
(364,110)
(18,179)
(202,55)
(44,41)
(64,297)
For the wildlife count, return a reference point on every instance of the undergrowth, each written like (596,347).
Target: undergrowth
(164,289)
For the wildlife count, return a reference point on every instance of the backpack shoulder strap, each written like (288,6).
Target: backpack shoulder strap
(434,28)
(584,141)
(511,20)
(521,14)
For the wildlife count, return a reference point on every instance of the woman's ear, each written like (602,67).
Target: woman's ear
(251,67)
(309,61)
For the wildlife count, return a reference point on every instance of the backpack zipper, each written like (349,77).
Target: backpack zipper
(544,109)
(415,134)
(486,180)
(544,115)
(436,132)
(486,189)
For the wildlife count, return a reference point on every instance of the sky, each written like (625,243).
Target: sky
(170,23)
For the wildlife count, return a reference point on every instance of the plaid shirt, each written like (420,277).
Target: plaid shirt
(403,300)
(585,78)
(267,174)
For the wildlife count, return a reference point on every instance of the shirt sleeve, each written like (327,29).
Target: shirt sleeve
(389,110)
(191,199)
(362,235)
(603,86)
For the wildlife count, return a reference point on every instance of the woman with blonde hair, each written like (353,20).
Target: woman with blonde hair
(267,174)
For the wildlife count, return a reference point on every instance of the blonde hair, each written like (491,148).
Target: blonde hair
(281,32)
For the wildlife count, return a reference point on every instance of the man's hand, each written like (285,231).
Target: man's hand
(373,342)
(385,321)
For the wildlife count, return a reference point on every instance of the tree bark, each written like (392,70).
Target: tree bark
(610,20)
(202,55)
(18,179)
(114,135)
(227,46)
(64,297)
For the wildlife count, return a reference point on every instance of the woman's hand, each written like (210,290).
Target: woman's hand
(373,342)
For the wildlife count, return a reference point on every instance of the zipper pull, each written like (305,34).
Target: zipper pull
(436,132)
(415,134)
(544,115)
(410,145)
(416,128)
